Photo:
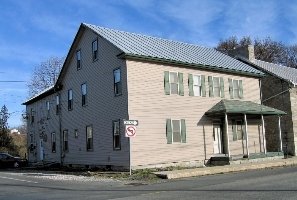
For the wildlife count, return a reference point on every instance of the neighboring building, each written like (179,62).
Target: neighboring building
(14,131)
(278,91)
(193,103)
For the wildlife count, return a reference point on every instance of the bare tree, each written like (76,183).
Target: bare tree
(291,56)
(265,49)
(45,75)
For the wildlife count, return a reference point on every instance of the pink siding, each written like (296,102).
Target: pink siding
(148,104)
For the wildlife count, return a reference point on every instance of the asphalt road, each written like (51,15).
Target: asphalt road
(279,183)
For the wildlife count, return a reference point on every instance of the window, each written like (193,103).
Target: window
(84,94)
(31,143)
(78,59)
(196,85)
(32,116)
(238,130)
(89,138)
(57,104)
(175,131)
(173,83)
(76,133)
(95,50)
(116,135)
(53,139)
(235,89)
(70,100)
(65,140)
(216,87)
(48,109)
(117,82)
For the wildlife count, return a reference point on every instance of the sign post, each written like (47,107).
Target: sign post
(130,131)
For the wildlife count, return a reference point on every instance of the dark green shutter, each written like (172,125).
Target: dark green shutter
(203,86)
(190,81)
(240,89)
(168,131)
(210,86)
(183,130)
(180,84)
(166,83)
(222,87)
(244,132)
(234,130)
(231,88)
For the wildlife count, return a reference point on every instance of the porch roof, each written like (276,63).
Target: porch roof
(243,107)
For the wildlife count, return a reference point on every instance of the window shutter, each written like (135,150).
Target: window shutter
(166,83)
(183,130)
(203,86)
(180,84)
(230,88)
(222,87)
(210,86)
(243,131)
(168,131)
(234,130)
(240,89)
(190,82)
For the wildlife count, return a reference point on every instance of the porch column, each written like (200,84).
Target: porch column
(247,138)
(227,134)
(264,134)
(280,134)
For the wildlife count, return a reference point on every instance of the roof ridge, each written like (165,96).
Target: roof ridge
(155,37)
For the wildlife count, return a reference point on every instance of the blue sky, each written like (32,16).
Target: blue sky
(32,31)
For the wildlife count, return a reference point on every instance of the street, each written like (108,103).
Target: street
(279,183)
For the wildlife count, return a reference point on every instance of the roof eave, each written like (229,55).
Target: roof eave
(162,60)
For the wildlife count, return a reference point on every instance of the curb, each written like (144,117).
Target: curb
(222,169)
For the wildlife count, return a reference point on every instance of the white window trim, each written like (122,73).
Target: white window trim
(177,81)
(180,134)
(213,86)
(200,95)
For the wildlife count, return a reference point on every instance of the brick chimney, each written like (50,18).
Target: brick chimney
(246,51)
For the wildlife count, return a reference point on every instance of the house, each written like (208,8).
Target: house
(278,91)
(193,104)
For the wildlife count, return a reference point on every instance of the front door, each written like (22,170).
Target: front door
(217,139)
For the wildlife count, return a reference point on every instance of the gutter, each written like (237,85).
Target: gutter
(166,61)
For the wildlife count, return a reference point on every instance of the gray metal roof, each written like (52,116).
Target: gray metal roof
(287,73)
(142,45)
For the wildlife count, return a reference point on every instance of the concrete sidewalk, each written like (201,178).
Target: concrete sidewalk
(226,168)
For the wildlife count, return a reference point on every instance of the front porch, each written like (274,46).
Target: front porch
(239,134)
